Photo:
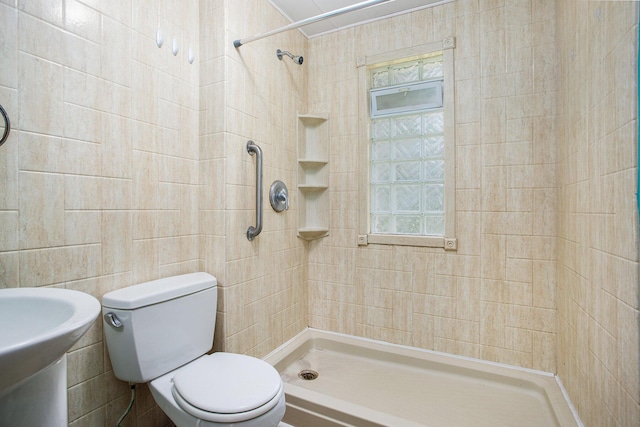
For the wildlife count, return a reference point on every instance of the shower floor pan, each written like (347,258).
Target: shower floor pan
(362,382)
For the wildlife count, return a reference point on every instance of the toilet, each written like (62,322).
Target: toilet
(160,332)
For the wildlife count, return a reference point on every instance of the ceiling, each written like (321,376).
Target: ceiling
(297,10)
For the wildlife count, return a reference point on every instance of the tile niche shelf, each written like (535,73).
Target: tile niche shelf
(313,176)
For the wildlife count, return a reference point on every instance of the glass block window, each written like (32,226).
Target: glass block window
(407,169)
(407,72)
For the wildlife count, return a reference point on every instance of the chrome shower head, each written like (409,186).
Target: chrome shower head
(297,59)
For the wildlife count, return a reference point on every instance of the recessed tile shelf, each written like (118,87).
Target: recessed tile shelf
(313,176)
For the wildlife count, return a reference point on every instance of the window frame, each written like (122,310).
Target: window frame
(376,112)
(448,241)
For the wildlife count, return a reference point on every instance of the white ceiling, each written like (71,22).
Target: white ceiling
(297,10)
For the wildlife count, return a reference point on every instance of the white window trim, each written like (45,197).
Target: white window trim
(448,241)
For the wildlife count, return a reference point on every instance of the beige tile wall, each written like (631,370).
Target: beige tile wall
(495,297)
(248,94)
(597,295)
(99,180)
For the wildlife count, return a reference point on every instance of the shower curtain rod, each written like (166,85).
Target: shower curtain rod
(311,20)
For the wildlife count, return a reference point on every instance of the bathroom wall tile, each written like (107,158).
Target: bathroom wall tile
(42,267)
(9,270)
(83,89)
(468,200)
(494,189)
(145,86)
(492,322)
(467,68)
(84,124)
(9,45)
(81,54)
(509,357)
(94,418)
(468,300)
(544,284)
(465,266)
(84,363)
(499,86)
(144,17)
(518,339)
(82,192)
(145,260)
(443,19)
(42,215)
(47,10)
(82,227)
(544,76)
(40,111)
(494,60)
(116,193)
(9,229)
(116,44)
(49,154)
(40,39)
(116,146)
(467,39)
(505,292)
(145,180)
(178,249)
(466,111)
(92,394)
(493,121)
(468,170)
(82,20)
(493,256)
(519,270)
(117,249)
(544,351)
(178,268)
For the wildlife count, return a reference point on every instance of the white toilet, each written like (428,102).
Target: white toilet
(160,331)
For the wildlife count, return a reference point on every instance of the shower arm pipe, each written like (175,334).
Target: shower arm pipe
(252,231)
(311,20)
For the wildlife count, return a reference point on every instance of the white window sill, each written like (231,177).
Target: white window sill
(446,243)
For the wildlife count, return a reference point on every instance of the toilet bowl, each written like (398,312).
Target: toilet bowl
(159,332)
(185,397)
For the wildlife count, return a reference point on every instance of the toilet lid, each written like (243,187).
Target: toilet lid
(226,385)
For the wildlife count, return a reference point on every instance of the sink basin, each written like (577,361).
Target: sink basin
(38,326)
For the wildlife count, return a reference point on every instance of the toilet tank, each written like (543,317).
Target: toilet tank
(165,323)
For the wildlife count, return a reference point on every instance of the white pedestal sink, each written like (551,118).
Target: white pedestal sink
(39,325)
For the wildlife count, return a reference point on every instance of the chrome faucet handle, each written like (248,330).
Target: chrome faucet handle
(279,196)
(112,319)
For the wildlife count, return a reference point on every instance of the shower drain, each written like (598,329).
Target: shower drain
(308,374)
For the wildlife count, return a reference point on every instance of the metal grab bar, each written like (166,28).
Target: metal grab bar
(252,231)
(7,125)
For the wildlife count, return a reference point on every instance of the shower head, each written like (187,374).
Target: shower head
(297,59)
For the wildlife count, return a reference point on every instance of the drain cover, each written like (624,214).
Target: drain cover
(308,374)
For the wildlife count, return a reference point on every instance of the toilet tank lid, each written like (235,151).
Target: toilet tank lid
(157,291)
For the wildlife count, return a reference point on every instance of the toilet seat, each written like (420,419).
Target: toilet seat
(227,388)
